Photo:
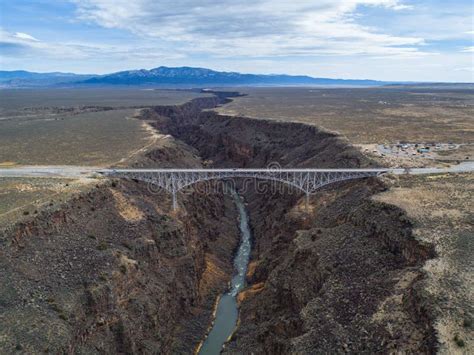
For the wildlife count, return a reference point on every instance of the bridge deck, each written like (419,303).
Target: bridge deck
(86,171)
(237,170)
(174,180)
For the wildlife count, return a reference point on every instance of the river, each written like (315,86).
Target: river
(227,312)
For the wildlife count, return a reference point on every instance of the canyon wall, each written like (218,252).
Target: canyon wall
(340,278)
(114,270)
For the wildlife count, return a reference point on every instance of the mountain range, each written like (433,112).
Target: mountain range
(23,78)
(166,76)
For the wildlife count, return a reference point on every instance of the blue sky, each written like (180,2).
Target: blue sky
(429,40)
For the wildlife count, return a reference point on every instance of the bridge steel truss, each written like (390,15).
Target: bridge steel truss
(306,180)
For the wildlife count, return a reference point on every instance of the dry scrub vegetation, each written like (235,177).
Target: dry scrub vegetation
(23,197)
(77,127)
(442,209)
(71,127)
(371,115)
(440,206)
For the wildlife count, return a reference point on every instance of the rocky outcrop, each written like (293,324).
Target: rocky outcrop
(246,142)
(341,278)
(334,280)
(114,270)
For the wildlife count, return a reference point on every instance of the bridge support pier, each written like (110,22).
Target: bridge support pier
(306,180)
(175,201)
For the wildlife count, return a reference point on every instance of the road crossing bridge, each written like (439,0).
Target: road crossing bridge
(306,180)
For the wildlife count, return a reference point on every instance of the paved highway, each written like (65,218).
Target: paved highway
(83,171)
(49,171)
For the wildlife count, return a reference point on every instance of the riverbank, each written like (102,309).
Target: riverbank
(298,284)
(324,281)
(227,313)
(112,269)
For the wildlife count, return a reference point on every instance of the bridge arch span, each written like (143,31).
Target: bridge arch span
(306,180)
(267,178)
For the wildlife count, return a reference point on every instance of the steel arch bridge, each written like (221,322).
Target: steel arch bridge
(306,180)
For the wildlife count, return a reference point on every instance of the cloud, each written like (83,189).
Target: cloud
(19,44)
(255,28)
(16,38)
(24,36)
(14,43)
(381,39)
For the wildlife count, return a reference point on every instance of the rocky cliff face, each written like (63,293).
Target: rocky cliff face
(339,278)
(115,271)
(245,142)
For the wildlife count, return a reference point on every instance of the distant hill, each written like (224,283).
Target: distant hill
(207,77)
(165,76)
(434,86)
(22,78)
